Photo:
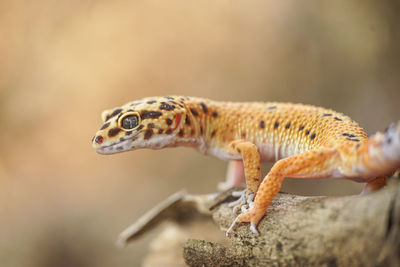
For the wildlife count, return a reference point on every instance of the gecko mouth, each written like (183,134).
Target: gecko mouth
(120,146)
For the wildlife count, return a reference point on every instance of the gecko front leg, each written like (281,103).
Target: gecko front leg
(252,171)
(234,175)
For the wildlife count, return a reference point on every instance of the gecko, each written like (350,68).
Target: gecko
(304,141)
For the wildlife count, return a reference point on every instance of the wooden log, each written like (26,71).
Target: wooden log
(361,230)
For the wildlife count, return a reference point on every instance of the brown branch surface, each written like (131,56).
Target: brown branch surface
(296,231)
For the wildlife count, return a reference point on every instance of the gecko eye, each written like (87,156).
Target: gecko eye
(129,121)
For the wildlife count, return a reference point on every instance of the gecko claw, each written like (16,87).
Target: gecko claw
(253,228)
(235,223)
(231,228)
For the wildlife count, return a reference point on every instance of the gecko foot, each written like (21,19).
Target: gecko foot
(244,217)
(244,203)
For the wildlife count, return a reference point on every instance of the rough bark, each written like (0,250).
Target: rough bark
(297,230)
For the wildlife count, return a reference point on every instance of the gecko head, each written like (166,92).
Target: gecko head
(391,142)
(146,123)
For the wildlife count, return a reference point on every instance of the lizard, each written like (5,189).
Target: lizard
(304,141)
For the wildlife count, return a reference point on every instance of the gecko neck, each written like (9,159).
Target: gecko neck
(195,127)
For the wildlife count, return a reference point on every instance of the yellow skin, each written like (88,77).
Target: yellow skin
(305,141)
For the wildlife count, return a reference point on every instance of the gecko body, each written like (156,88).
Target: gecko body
(305,142)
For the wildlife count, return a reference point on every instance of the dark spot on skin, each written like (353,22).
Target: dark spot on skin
(349,135)
(215,114)
(389,140)
(338,119)
(204,107)
(354,140)
(276,125)
(169,131)
(238,150)
(243,135)
(213,133)
(326,115)
(192,132)
(166,106)
(151,101)
(168,121)
(312,137)
(271,107)
(150,114)
(113,132)
(194,112)
(169,97)
(150,125)
(119,116)
(307,132)
(128,133)
(258,168)
(201,129)
(262,124)
(114,113)
(187,120)
(160,131)
(181,132)
(148,134)
(105,126)
(99,139)
(140,127)
(301,128)
(358,146)
(287,126)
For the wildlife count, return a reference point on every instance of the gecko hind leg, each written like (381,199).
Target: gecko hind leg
(311,164)
(374,185)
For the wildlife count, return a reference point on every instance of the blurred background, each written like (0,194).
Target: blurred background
(63,62)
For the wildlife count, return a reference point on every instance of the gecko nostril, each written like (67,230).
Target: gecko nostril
(99,139)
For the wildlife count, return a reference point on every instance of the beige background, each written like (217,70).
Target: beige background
(63,62)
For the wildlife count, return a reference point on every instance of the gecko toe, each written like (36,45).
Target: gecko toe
(244,208)
(253,228)
(244,203)
(238,193)
(232,227)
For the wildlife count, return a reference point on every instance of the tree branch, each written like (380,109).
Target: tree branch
(297,230)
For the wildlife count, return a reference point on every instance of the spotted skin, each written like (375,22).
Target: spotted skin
(305,142)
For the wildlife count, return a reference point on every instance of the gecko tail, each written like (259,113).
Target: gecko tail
(380,155)
(390,143)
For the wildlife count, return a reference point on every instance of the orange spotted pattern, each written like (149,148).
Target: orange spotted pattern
(305,141)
